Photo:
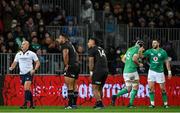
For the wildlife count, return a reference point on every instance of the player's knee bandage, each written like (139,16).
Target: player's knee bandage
(128,84)
(135,83)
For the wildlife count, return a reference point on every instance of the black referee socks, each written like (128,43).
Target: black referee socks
(25,98)
(28,97)
(31,98)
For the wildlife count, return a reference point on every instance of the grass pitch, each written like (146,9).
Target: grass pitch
(109,109)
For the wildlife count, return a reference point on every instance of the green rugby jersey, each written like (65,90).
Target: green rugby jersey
(156,58)
(130,66)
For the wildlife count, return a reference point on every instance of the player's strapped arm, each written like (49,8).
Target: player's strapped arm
(135,59)
(91,65)
(66,57)
(140,53)
(168,68)
(123,59)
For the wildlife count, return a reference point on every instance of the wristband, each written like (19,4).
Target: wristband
(169,72)
(91,73)
(10,68)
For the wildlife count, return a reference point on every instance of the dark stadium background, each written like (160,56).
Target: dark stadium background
(117,24)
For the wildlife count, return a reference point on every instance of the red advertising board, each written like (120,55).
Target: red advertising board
(50,90)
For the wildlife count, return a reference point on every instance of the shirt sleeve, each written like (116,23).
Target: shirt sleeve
(16,59)
(64,47)
(146,53)
(34,56)
(136,51)
(91,53)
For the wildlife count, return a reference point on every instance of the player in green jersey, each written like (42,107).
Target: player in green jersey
(157,56)
(130,73)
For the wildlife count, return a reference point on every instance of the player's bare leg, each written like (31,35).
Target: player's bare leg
(101,91)
(70,85)
(98,94)
(164,95)
(151,93)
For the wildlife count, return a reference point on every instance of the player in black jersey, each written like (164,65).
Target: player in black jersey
(70,58)
(98,70)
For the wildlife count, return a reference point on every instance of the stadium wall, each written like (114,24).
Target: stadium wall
(50,90)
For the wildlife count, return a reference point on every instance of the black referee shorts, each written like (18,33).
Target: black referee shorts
(26,77)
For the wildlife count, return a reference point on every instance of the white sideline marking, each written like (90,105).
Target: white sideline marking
(85,112)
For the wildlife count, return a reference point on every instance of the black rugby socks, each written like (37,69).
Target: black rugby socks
(70,97)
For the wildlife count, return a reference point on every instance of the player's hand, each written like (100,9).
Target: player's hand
(32,72)
(169,74)
(10,68)
(141,65)
(90,73)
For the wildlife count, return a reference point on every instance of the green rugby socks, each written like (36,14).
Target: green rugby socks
(122,92)
(133,95)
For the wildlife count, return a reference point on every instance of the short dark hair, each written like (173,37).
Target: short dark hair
(157,39)
(65,36)
(95,40)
